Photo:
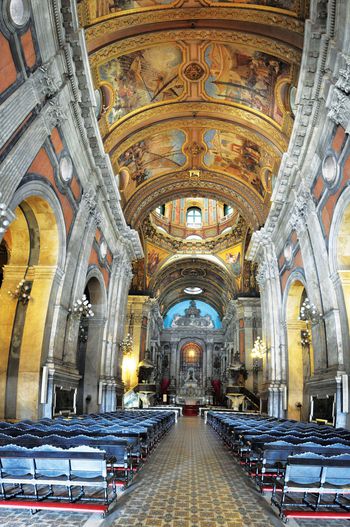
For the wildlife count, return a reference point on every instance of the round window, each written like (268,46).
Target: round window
(66,169)
(329,169)
(103,249)
(288,253)
(19,12)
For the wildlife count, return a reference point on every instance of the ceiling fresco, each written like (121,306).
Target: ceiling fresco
(154,155)
(237,155)
(244,76)
(195,111)
(141,78)
(103,8)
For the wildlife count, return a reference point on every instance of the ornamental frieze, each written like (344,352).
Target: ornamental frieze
(258,16)
(259,43)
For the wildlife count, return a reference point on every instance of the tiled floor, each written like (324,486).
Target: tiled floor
(191,480)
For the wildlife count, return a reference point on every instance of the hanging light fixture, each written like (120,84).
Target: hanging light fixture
(309,312)
(258,352)
(127,344)
(81,308)
(22,292)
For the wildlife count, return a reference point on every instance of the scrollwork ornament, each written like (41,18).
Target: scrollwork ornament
(343,82)
(46,82)
(339,109)
(56,113)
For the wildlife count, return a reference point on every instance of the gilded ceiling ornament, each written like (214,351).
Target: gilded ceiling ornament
(195,148)
(244,199)
(277,49)
(244,122)
(193,71)
(127,21)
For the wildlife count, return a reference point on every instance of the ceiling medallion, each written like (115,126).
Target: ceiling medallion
(193,71)
(189,271)
(195,148)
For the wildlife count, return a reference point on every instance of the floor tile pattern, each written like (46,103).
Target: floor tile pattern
(191,480)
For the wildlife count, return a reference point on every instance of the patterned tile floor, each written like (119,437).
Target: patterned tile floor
(191,480)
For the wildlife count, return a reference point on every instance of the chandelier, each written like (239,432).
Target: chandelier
(81,308)
(22,292)
(259,349)
(308,312)
(305,337)
(127,345)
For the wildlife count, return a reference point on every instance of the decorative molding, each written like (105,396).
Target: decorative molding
(208,114)
(339,107)
(124,20)
(129,45)
(90,201)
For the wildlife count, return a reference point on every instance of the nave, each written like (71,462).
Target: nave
(190,480)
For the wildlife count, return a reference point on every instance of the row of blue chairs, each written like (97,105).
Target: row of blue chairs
(305,466)
(75,463)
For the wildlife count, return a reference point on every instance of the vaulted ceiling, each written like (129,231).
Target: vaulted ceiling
(196,98)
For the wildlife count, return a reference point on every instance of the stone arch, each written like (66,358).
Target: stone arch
(90,342)
(339,265)
(299,359)
(37,244)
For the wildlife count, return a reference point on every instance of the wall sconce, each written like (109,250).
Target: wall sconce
(81,308)
(22,292)
(127,345)
(258,352)
(308,312)
(305,338)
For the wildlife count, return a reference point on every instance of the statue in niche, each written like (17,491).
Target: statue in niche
(190,377)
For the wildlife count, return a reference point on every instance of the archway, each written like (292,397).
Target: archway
(89,345)
(300,353)
(33,243)
(343,257)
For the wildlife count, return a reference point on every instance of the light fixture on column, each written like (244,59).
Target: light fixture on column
(81,308)
(22,292)
(258,353)
(127,344)
(309,312)
(305,337)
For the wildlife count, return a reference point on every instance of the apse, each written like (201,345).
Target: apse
(205,309)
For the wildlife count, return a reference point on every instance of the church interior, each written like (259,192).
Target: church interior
(174,263)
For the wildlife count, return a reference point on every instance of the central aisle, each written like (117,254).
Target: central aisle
(191,480)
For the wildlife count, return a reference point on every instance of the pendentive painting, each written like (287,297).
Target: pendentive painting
(154,156)
(141,78)
(244,76)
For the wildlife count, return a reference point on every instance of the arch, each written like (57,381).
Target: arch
(339,259)
(90,340)
(36,240)
(300,361)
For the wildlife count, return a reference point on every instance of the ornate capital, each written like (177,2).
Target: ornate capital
(45,81)
(343,82)
(339,107)
(55,113)
(303,206)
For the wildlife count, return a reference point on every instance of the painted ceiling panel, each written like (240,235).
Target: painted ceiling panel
(244,76)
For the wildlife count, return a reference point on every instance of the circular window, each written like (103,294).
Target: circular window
(66,169)
(329,169)
(103,249)
(193,290)
(98,99)
(19,12)
(288,253)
